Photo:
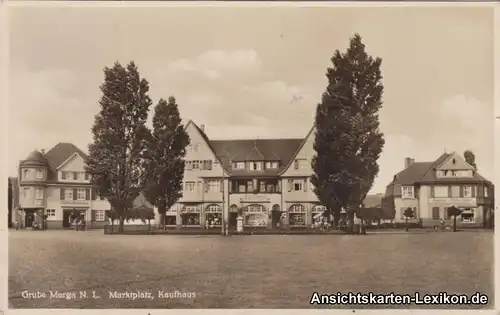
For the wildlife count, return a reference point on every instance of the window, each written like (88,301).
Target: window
(75,175)
(486,191)
(87,177)
(190,215)
(196,165)
(297,185)
(297,215)
(262,186)
(26,192)
(239,165)
(445,173)
(435,213)
(213,215)
(455,191)
(408,192)
(271,165)
(255,166)
(68,194)
(213,186)
(467,191)
(26,174)
(402,213)
(446,214)
(254,208)
(39,173)
(250,186)
(50,212)
(80,194)
(38,193)
(467,216)
(454,173)
(189,186)
(196,146)
(81,176)
(441,191)
(100,215)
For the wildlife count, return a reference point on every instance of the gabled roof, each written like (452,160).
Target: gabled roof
(58,154)
(280,150)
(299,148)
(373,201)
(425,172)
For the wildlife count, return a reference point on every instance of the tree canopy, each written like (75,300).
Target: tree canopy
(165,157)
(120,137)
(470,158)
(348,141)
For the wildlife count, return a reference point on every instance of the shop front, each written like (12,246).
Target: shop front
(171,217)
(72,216)
(213,216)
(318,215)
(471,214)
(297,215)
(191,215)
(255,215)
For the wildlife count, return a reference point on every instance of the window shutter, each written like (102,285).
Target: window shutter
(86,176)
(210,165)
(74,193)
(221,184)
(415,213)
(432,192)
(63,175)
(473,191)
(402,213)
(87,194)
(62,193)
(206,185)
(461,191)
(296,164)
(92,215)
(279,185)
(480,191)
(305,184)
(450,191)
(93,194)
(75,175)
(290,183)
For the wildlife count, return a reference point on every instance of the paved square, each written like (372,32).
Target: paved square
(241,271)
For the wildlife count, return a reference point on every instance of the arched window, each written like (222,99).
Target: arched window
(213,208)
(233,208)
(297,209)
(319,209)
(297,215)
(276,208)
(254,208)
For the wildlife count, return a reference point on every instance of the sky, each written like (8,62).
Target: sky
(256,72)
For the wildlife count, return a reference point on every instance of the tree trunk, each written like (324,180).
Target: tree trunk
(406,225)
(454,223)
(350,218)
(121,227)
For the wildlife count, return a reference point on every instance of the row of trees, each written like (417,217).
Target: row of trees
(127,158)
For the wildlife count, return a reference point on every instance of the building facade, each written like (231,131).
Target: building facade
(265,179)
(430,188)
(55,183)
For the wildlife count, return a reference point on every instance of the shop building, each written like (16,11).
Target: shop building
(55,183)
(430,188)
(267,180)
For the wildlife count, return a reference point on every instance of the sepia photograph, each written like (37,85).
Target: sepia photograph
(250,156)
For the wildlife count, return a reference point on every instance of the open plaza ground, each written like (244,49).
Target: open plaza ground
(251,271)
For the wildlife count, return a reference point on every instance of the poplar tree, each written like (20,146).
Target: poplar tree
(120,138)
(348,141)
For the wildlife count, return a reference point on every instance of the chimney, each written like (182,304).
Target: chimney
(202,127)
(408,161)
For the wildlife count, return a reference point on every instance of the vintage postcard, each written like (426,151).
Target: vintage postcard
(250,157)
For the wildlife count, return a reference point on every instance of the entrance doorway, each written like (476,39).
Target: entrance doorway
(275,216)
(233,220)
(29,218)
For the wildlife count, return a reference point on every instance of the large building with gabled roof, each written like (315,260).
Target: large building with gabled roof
(266,179)
(430,188)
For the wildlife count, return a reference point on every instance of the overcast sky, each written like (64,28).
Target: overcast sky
(238,70)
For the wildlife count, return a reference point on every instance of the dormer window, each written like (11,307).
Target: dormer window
(39,173)
(255,166)
(26,174)
(453,173)
(407,192)
(453,161)
(239,165)
(271,165)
